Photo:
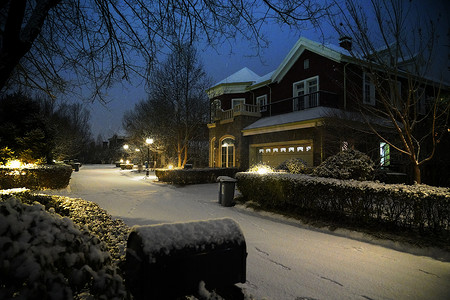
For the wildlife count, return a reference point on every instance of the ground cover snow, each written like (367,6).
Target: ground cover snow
(286,259)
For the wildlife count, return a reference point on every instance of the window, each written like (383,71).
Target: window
(385,154)
(305,93)
(227,149)
(236,102)
(262,103)
(368,90)
(306,64)
(215,106)
(396,94)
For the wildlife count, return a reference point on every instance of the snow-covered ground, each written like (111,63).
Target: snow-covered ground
(286,260)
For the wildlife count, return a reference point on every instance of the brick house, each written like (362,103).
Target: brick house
(306,108)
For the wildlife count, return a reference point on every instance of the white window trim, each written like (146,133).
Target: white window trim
(306,88)
(371,100)
(237,101)
(262,99)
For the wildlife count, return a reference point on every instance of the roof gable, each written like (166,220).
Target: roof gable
(241,76)
(329,51)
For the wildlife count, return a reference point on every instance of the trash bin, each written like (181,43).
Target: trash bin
(76,167)
(168,261)
(226,190)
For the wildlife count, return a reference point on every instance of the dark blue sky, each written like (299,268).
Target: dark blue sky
(221,62)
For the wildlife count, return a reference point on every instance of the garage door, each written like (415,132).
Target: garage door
(275,155)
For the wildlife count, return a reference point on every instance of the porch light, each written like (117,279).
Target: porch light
(121,160)
(170,167)
(263,170)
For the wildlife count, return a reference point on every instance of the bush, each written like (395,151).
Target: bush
(294,166)
(47,256)
(38,177)
(417,206)
(348,164)
(193,176)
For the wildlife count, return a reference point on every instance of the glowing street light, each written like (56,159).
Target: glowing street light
(148,141)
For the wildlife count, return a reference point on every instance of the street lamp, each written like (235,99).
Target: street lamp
(148,141)
(125,147)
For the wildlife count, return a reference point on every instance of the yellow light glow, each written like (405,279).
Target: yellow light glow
(14,164)
(263,170)
(127,162)
(125,147)
(121,160)
(170,167)
(149,141)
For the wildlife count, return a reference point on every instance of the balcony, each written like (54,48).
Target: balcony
(302,102)
(238,110)
(319,98)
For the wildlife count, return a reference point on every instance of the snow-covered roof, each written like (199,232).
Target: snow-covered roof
(279,122)
(242,76)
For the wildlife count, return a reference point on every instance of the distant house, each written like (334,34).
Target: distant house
(306,108)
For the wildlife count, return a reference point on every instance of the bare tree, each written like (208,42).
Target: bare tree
(56,45)
(395,44)
(176,111)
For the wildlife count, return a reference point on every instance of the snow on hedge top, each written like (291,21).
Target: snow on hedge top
(196,235)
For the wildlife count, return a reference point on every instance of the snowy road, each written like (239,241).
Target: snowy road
(285,259)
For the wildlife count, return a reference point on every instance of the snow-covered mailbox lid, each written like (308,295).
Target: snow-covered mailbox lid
(170,260)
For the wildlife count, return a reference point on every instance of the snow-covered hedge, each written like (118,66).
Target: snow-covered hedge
(46,256)
(348,164)
(38,177)
(417,206)
(294,166)
(193,176)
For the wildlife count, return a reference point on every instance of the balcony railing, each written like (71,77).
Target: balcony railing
(302,102)
(319,98)
(238,110)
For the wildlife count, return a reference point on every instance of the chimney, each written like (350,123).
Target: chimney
(345,42)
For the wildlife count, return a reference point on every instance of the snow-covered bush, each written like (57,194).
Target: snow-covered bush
(47,256)
(37,177)
(294,166)
(348,164)
(416,206)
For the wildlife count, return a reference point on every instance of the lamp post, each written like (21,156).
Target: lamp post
(125,147)
(148,141)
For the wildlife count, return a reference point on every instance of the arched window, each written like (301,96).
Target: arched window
(227,151)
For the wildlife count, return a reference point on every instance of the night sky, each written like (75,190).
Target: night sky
(221,62)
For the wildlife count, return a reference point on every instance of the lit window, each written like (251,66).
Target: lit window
(344,146)
(267,150)
(385,154)
(275,149)
(283,149)
(300,149)
(291,149)
(261,150)
(308,148)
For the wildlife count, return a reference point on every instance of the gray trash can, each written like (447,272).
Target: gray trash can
(226,190)
(76,167)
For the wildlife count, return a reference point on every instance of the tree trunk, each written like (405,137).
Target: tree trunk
(417,176)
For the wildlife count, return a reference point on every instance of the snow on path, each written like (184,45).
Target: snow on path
(285,259)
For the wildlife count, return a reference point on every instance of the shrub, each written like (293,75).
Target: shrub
(294,166)
(37,177)
(417,206)
(193,176)
(47,256)
(348,164)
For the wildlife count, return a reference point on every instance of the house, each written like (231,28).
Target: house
(307,108)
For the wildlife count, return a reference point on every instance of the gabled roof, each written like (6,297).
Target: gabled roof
(332,52)
(244,75)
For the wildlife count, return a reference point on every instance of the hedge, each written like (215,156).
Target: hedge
(193,176)
(38,178)
(417,206)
